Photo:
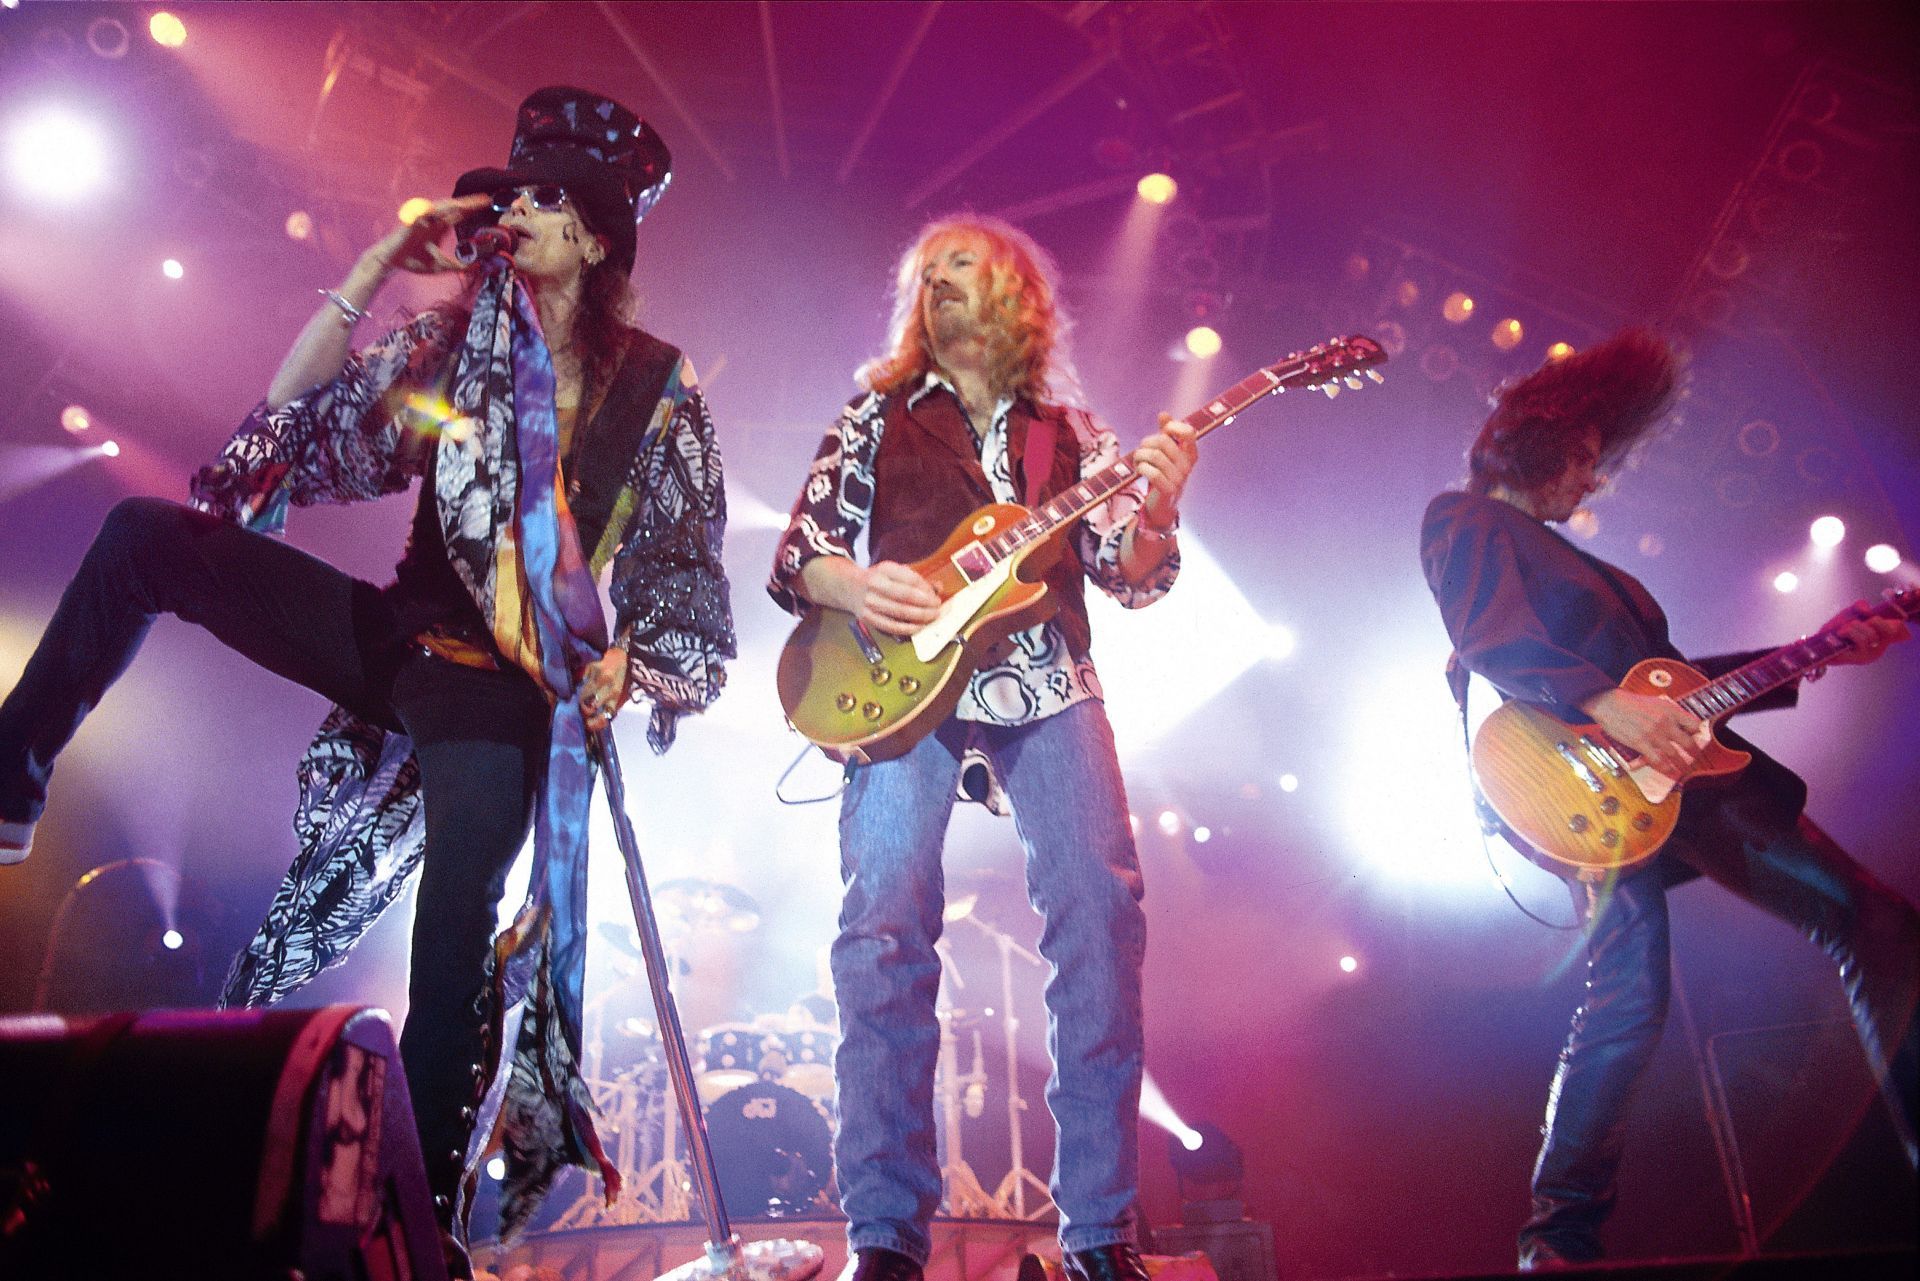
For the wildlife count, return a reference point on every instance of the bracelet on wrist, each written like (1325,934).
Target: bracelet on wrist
(351,314)
(1153,533)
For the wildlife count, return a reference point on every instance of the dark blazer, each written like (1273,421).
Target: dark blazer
(1548,623)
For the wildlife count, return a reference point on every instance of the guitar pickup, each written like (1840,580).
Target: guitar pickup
(973,562)
(1602,755)
(1579,768)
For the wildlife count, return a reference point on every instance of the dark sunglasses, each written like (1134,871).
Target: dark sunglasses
(547,197)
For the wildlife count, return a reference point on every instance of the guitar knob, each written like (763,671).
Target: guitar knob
(1610,805)
(1578,823)
(1641,822)
(871,711)
(1609,838)
(845,702)
(881,676)
(909,685)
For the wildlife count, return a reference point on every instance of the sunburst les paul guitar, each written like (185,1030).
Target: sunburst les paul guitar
(1580,804)
(866,696)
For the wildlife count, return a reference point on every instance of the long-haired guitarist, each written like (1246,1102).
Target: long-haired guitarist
(974,403)
(1547,623)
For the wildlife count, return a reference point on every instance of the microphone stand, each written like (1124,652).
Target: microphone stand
(772,1260)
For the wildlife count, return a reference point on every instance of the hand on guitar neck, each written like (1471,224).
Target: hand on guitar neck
(1671,738)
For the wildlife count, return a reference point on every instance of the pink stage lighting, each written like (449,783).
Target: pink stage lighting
(1203,342)
(1786,581)
(76,419)
(1157,188)
(1881,558)
(172,269)
(1828,531)
(167,30)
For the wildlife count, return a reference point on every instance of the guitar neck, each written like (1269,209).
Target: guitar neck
(1069,505)
(1737,688)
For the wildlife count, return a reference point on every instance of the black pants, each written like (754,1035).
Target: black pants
(481,738)
(1791,869)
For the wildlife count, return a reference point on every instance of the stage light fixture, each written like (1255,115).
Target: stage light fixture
(1202,834)
(497,1168)
(1560,351)
(1827,531)
(1208,1173)
(57,154)
(1349,964)
(412,209)
(110,448)
(76,419)
(172,269)
(1157,188)
(1203,342)
(1169,822)
(172,940)
(1508,334)
(167,30)
(1786,581)
(299,225)
(1458,307)
(1882,558)
(1289,783)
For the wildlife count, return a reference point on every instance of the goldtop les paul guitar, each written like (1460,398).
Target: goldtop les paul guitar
(1580,805)
(864,696)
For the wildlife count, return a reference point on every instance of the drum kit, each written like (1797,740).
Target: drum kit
(765,1085)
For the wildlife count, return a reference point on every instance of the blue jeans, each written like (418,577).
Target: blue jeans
(1083,877)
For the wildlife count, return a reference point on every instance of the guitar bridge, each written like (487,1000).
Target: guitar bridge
(1603,756)
(864,639)
(1579,768)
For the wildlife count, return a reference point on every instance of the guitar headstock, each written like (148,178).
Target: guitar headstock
(1331,365)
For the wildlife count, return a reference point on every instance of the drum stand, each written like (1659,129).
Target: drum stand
(772,1260)
(1011,1195)
(965,1198)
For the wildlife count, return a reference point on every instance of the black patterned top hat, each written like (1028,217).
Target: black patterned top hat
(611,162)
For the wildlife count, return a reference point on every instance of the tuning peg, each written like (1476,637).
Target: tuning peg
(1332,389)
(1353,381)
(1376,375)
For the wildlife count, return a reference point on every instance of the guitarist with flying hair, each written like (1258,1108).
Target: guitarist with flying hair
(1549,624)
(974,403)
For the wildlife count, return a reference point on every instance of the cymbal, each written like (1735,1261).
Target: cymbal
(695,904)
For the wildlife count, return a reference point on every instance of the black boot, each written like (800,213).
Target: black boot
(871,1263)
(1118,1262)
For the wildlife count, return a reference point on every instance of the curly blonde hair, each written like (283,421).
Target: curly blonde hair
(1027,327)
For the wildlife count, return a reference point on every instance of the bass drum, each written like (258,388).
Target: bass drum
(773,1148)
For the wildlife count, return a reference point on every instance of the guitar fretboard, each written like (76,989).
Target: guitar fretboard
(1769,672)
(1316,367)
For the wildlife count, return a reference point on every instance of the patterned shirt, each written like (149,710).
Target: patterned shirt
(1039,675)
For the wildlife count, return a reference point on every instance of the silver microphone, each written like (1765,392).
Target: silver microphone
(483,243)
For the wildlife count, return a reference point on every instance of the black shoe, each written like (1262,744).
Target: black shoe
(1120,1262)
(871,1263)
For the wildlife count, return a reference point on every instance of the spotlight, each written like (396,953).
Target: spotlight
(1157,188)
(57,154)
(1209,1174)
(172,940)
(172,269)
(1507,334)
(1828,531)
(411,209)
(1289,783)
(167,30)
(1560,351)
(1133,824)
(497,1168)
(110,448)
(1457,308)
(1281,642)
(1202,834)
(76,419)
(1203,342)
(299,225)
(1882,559)
(1786,581)
(1348,964)
(1584,523)
(1169,822)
